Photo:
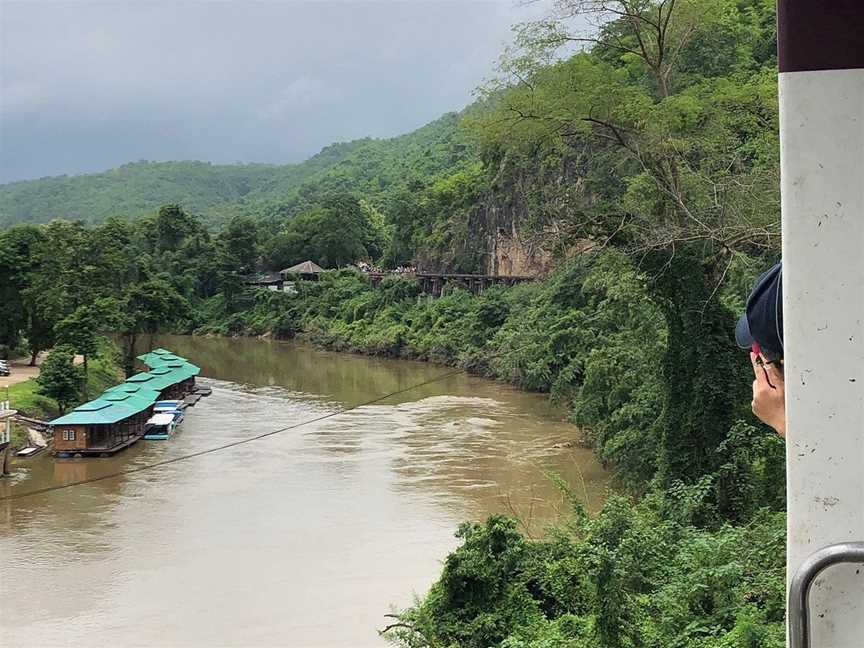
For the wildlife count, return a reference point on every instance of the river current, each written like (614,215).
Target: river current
(304,538)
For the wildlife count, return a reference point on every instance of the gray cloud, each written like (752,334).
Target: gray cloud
(88,86)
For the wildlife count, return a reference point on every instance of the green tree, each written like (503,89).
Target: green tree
(59,378)
(18,263)
(678,170)
(171,227)
(629,576)
(405,223)
(147,307)
(238,241)
(333,234)
(63,278)
(80,330)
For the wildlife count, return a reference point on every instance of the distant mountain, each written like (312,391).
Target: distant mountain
(370,168)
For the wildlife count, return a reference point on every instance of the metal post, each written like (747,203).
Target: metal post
(6,414)
(821,61)
(799,590)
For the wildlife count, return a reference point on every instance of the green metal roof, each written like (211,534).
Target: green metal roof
(144,376)
(136,394)
(144,395)
(106,413)
(124,387)
(154,359)
(161,382)
(93,406)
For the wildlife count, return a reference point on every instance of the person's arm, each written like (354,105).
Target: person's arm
(769,395)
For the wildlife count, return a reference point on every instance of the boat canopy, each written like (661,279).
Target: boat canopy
(161,419)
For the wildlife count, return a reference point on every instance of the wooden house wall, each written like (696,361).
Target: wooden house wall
(80,437)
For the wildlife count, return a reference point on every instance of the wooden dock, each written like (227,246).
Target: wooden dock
(191,400)
(35,423)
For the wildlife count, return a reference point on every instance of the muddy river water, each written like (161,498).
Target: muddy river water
(304,538)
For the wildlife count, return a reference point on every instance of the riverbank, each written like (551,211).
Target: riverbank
(662,569)
(587,335)
(24,396)
(356,510)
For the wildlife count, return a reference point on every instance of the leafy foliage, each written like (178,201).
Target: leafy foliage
(646,164)
(336,233)
(629,577)
(80,331)
(591,335)
(59,378)
(375,169)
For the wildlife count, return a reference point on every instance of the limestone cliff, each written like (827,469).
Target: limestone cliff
(521,225)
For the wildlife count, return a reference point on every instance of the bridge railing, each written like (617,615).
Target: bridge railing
(433,283)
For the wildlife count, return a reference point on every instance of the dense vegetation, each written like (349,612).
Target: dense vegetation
(379,170)
(647,164)
(665,127)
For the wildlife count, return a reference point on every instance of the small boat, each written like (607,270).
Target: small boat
(29,452)
(173,407)
(160,426)
(167,405)
(203,390)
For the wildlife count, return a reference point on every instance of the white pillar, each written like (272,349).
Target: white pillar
(822,158)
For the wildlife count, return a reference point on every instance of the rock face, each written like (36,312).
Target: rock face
(509,251)
(522,225)
(530,216)
(524,218)
(501,235)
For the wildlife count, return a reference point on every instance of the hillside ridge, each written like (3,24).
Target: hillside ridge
(218,191)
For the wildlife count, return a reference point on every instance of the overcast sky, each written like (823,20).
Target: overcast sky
(86,86)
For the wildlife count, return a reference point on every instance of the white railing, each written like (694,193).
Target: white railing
(6,414)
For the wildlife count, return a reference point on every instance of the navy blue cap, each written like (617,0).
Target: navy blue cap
(762,321)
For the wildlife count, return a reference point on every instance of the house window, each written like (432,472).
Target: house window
(68,435)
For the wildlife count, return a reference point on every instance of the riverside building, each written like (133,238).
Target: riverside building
(116,418)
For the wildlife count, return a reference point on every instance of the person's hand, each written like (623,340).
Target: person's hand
(769,395)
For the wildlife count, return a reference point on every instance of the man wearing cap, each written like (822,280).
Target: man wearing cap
(760,329)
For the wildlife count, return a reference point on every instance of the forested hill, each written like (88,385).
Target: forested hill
(645,168)
(371,167)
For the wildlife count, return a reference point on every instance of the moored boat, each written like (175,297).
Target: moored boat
(173,407)
(29,451)
(160,427)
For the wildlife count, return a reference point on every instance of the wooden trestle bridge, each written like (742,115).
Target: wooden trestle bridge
(434,283)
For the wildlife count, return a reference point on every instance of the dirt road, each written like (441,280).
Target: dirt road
(20,370)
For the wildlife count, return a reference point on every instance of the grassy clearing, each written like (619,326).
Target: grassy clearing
(25,397)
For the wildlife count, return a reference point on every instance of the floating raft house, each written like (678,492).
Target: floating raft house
(115,419)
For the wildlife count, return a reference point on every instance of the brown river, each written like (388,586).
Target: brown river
(304,538)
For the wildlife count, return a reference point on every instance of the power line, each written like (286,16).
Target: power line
(232,444)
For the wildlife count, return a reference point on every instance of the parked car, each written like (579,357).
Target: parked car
(4,368)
